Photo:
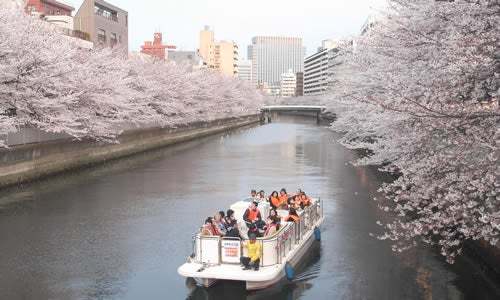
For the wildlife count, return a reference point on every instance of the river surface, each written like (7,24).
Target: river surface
(119,231)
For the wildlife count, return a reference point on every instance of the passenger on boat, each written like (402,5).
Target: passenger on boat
(219,222)
(272,225)
(304,200)
(275,201)
(283,197)
(262,195)
(252,213)
(292,216)
(294,202)
(253,252)
(231,224)
(207,228)
(253,194)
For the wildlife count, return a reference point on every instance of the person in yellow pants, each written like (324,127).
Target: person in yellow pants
(254,253)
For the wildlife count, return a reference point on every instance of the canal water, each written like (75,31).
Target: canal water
(120,231)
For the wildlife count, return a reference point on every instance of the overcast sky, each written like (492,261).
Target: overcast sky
(239,20)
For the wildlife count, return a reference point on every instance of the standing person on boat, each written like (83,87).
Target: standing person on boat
(262,195)
(253,251)
(231,224)
(253,194)
(252,214)
(292,216)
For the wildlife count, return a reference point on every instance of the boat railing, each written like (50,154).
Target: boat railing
(214,250)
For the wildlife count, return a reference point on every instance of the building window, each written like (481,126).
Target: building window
(101,36)
(113,40)
(106,12)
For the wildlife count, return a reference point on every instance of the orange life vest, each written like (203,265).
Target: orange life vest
(283,199)
(252,214)
(276,202)
(292,218)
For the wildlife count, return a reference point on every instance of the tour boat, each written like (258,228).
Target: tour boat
(218,258)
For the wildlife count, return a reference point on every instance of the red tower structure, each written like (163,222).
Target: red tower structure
(156,48)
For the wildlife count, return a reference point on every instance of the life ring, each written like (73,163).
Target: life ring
(289,271)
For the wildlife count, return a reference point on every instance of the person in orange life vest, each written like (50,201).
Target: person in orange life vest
(283,198)
(304,200)
(292,216)
(274,200)
(252,214)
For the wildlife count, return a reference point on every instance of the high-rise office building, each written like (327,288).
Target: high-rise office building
(273,56)
(318,69)
(219,55)
(245,70)
(288,84)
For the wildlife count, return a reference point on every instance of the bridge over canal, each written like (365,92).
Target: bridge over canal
(266,111)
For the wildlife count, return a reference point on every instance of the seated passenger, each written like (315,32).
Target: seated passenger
(231,224)
(276,202)
(304,200)
(253,258)
(294,202)
(207,228)
(283,196)
(261,195)
(292,216)
(218,221)
(272,225)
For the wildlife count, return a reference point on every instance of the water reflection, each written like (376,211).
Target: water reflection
(120,231)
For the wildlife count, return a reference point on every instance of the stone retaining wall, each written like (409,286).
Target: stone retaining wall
(27,162)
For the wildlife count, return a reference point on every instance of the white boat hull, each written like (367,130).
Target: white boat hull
(294,261)
(217,258)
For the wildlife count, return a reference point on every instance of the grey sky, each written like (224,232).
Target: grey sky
(180,21)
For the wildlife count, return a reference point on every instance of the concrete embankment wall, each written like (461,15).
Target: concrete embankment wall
(27,162)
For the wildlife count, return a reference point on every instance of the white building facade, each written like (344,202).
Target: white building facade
(245,70)
(288,84)
(318,69)
(273,56)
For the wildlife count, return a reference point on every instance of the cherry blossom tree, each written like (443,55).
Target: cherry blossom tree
(420,90)
(49,82)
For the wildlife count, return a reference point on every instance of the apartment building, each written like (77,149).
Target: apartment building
(106,24)
(219,55)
